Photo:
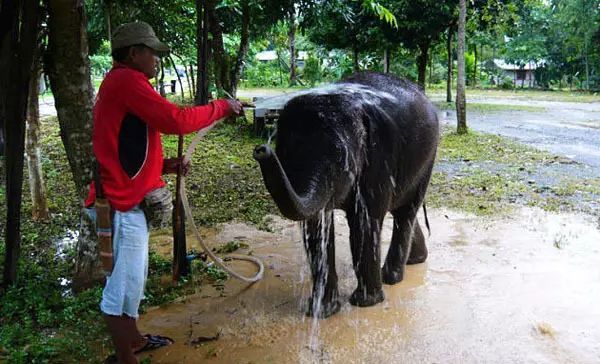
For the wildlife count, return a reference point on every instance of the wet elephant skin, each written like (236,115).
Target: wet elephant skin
(365,145)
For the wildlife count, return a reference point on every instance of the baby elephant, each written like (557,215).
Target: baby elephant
(365,145)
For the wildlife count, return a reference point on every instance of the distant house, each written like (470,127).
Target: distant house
(521,74)
(268,56)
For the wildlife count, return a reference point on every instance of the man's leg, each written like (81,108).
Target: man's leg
(124,287)
(125,337)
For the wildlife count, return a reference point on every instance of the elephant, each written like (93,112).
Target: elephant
(365,145)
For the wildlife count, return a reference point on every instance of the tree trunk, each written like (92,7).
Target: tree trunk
(422,63)
(587,65)
(200,26)
(475,68)
(187,77)
(356,55)
(430,69)
(221,61)
(386,60)
(192,82)
(203,54)
(69,71)
(161,81)
(530,75)
(461,105)
(450,63)
(236,73)
(108,20)
(178,77)
(39,208)
(292,43)
(19,26)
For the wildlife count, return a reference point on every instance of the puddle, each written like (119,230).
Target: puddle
(519,290)
(67,242)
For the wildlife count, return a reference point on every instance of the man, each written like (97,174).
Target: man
(129,116)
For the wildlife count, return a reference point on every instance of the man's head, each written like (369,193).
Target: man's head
(136,45)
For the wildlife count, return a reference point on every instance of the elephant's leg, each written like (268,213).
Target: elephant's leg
(402,238)
(418,249)
(320,249)
(365,232)
(408,242)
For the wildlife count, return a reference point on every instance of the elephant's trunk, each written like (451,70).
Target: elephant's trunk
(291,205)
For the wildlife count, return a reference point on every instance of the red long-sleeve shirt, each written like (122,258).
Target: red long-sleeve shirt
(129,116)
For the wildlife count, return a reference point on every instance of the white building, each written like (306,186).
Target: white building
(522,75)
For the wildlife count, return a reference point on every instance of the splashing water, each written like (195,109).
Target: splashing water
(313,347)
(272,134)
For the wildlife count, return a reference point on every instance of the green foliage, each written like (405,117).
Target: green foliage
(381,11)
(230,247)
(264,74)
(101,62)
(312,70)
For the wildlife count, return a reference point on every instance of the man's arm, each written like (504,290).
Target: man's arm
(143,101)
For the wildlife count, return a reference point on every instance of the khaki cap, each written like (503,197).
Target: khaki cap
(129,34)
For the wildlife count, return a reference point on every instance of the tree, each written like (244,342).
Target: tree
(362,30)
(527,44)
(39,208)
(68,68)
(19,25)
(292,44)
(461,107)
(248,18)
(420,25)
(576,46)
(449,65)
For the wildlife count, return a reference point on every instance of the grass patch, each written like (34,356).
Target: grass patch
(488,177)
(475,147)
(526,94)
(489,108)
(480,192)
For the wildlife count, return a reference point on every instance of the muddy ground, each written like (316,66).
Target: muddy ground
(523,289)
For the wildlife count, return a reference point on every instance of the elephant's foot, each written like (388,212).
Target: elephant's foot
(362,298)
(326,309)
(391,276)
(416,259)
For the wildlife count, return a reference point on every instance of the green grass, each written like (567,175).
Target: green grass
(472,188)
(488,147)
(525,94)
(490,108)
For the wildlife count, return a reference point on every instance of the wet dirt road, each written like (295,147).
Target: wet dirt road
(520,290)
(568,129)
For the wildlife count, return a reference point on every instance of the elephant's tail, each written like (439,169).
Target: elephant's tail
(426,218)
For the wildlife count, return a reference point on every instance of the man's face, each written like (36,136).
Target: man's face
(145,59)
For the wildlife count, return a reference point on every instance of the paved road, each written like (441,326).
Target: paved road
(564,128)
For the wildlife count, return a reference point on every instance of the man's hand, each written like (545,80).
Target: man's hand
(236,107)
(171,166)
